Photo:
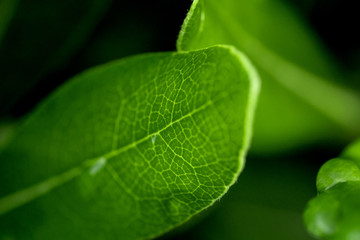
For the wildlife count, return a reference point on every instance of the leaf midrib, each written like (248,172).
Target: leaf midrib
(28,194)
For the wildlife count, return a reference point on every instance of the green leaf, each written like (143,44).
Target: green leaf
(7,129)
(40,38)
(353,152)
(297,106)
(7,9)
(335,213)
(130,149)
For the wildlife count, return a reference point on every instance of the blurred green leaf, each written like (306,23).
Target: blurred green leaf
(335,212)
(7,9)
(130,149)
(352,152)
(7,129)
(297,106)
(41,37)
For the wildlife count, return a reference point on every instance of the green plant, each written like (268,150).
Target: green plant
(171,137)
(334,213)
(136,147)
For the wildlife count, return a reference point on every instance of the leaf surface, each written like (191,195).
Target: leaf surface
(297,106)
(130,149)
(335,212)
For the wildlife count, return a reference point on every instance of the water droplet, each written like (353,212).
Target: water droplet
(153,139)
(97,166)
